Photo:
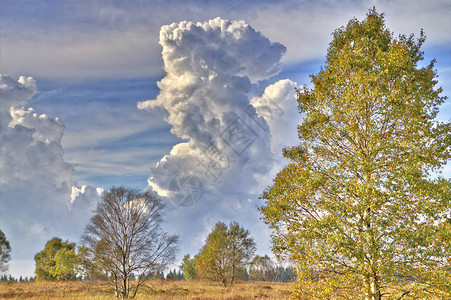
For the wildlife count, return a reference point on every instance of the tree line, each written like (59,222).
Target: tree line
(227,256)
(260,268)
(124,245)
(11,278)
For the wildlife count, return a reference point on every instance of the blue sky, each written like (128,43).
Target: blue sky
(94,61)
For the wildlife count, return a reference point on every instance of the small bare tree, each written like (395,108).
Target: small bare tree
(124,238)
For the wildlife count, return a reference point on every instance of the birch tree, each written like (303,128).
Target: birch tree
(362,205)
(226,253)
(124,238)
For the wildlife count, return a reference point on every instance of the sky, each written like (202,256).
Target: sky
(193,99)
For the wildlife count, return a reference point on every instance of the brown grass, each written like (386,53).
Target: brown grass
(154,289)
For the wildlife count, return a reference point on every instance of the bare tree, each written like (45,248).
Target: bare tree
(124,238)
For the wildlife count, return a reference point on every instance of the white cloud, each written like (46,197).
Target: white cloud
(47,130)
(210,67)
(36,182)
(14,94)
(227,148)
(278,106)
(87,192)
(30,147)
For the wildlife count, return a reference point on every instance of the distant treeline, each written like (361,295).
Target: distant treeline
(20,279)
(280,274)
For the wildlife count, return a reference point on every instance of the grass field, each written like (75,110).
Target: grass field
(154,289)
(161,289)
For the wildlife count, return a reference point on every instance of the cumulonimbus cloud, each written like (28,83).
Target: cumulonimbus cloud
(210,69)
(231,141)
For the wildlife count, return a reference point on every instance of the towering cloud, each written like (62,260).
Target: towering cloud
(39,196)
(210,70)
(227,153)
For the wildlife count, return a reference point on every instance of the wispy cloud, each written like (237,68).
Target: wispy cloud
(101,39)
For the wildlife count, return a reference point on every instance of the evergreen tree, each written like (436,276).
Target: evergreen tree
(180,275)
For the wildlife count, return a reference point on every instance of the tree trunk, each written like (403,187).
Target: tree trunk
(224,281)
(233,275)
(116,292)
(373,288)
(128,287)
(124,288)
(372,281)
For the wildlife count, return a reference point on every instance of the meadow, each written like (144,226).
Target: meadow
(153,289)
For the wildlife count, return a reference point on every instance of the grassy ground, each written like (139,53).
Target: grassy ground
(154,289)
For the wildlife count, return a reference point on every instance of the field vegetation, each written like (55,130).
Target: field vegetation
(152,289)
(175,289)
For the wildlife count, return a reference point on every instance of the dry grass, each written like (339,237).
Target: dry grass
(155,289)
(160,289)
